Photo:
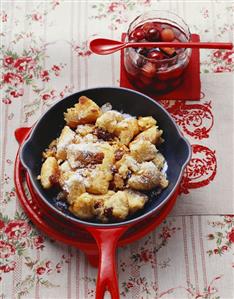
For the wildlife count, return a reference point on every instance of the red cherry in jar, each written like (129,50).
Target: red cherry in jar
(167,35)
(155,55)
(138,34)
(147,26)
(152,35)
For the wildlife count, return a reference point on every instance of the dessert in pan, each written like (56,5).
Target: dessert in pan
(104,162)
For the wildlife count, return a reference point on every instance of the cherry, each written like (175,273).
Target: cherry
(147,26)
(152,35)
(155,55)
(167,35)
(149,70)
(169,51)
(170,74)
(138,34)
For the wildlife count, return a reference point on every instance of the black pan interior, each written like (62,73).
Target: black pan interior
(175,148)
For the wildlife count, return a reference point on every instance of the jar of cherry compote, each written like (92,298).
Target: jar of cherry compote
(158,70)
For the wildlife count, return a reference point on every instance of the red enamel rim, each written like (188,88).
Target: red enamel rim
(36,212)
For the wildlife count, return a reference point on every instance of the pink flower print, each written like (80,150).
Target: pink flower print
(48,264)
(219,69)
(21,64)
(18,93)
(8,60)
(129,285)
(8,267)
(6,250)
(217,54)
(40,270)
(224,248)
(227,55)
(36,17)
(58,268)
(205,13)
(13,79)
(113,7)
(210,237)
(45,75)
(4,16)
(145,256)
(46,97)
(6,101)
(2,224)
(55,3)
(38,242)
(165,233)
(56,69)
(230,236)
(17,229)
(216,251)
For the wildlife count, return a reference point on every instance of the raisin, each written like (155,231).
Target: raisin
(108,212)
(119,154)
(89,158)
(97,205)
(54,178)
(104,135)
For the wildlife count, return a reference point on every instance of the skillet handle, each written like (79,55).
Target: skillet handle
(21,134)
(107,239)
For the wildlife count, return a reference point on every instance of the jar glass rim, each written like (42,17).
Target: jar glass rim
(188,35)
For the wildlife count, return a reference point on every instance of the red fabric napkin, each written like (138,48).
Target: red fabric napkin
(189,89)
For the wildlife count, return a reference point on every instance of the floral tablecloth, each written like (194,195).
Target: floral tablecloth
(45,56)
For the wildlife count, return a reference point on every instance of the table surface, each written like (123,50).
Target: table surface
(45,55)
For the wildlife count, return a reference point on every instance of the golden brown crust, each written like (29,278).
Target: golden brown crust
(103,164)
(99,181)
(51,150)
(66,137)
(82,206)
(85,112)
(85,129)
(49,171)
(152,134)
(109,120)
(118,181)
(136,200)
(142,150)
(147,178)
(126,130)
(146,122)
(114,206)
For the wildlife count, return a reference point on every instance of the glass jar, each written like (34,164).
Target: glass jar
(153,69)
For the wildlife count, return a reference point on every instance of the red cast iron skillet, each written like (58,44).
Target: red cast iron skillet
(57,229)
(176,150)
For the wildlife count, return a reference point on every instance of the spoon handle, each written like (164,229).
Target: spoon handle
(199,45)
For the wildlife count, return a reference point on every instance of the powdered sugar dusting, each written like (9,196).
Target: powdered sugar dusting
(85,146)
(66,140)
(164,169)
(75,178)
(106,107)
